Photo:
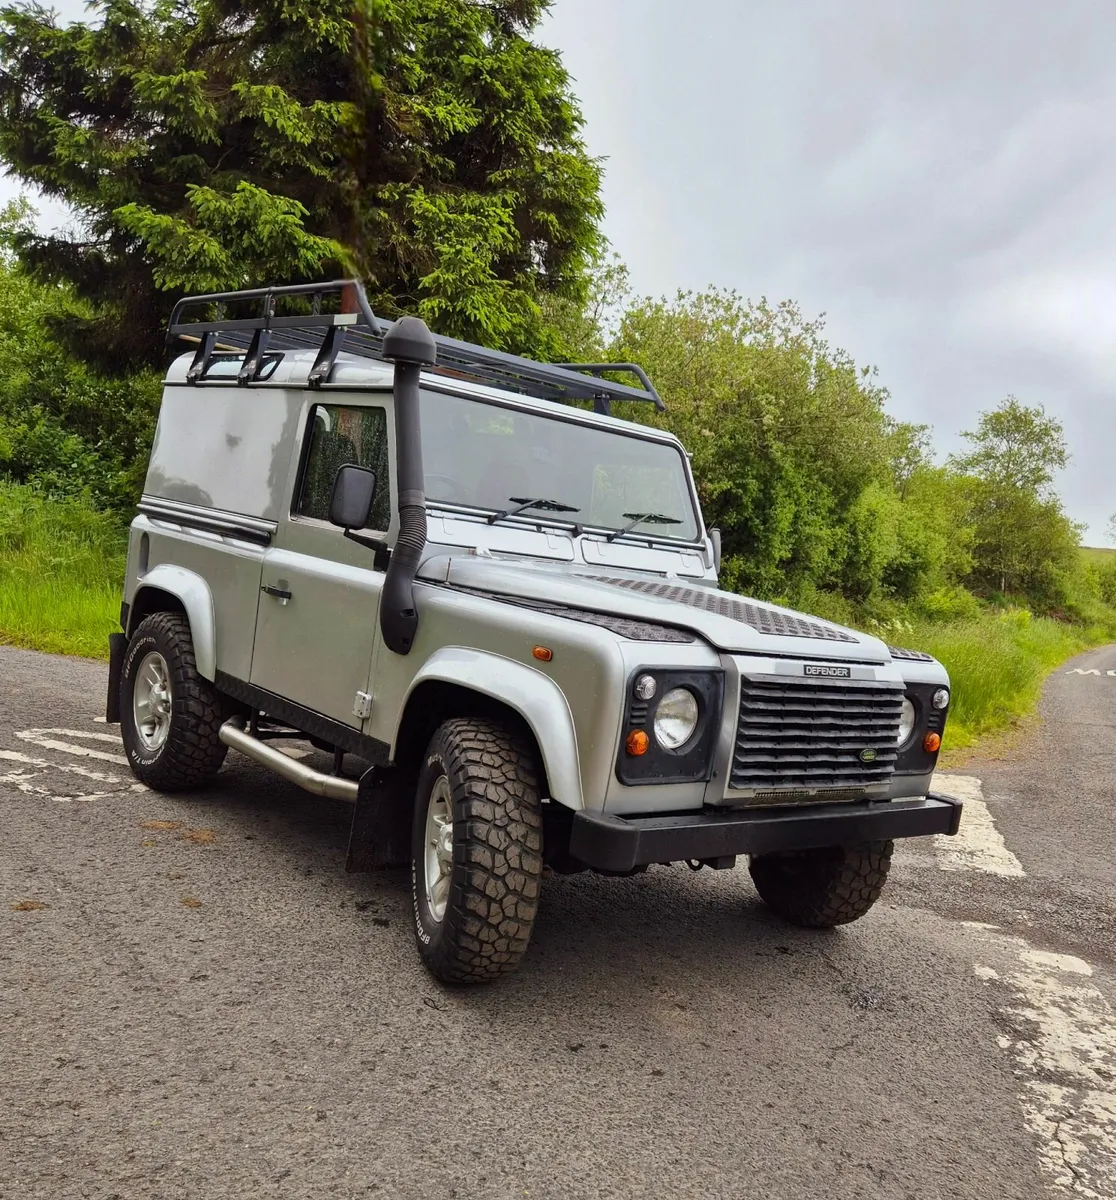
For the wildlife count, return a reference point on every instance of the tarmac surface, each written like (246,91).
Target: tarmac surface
(197,1002)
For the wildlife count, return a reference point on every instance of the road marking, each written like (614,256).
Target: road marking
(1063,1041)
(92,734)
(21,780)
(69,768)
(1089,671)
(43,738)
(978,844)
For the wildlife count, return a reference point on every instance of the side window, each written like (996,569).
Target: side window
(340,436)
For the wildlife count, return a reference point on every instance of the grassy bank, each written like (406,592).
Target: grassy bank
(62,563)
(997,664)
(61,570)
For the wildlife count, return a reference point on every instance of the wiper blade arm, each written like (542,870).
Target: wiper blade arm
(635,519)
(523,503)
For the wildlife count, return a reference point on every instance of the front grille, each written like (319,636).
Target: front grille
(801,737)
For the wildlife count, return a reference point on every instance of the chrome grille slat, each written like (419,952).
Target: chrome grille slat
(797,736)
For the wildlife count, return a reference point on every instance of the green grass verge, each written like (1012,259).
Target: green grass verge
(61,572)
(997,663)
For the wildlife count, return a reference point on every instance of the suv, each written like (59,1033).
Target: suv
(430,557)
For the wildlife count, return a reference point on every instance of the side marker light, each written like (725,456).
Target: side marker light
(637,743)
(542,653)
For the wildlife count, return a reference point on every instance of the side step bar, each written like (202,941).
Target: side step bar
(317,782)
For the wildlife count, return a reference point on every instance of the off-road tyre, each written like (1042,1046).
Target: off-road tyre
(497,861)
(193,752)
(822,888)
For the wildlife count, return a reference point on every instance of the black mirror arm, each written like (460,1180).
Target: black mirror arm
(377,544)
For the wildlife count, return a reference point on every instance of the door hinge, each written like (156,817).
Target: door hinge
(362,705)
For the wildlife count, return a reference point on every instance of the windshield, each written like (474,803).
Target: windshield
(499,459)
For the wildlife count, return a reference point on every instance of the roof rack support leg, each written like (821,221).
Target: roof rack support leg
(253,360)
(327,356)
(201,357)
(602,405)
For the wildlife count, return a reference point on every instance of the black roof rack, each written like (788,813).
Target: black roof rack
(361,333)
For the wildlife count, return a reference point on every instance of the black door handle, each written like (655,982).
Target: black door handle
(279,593)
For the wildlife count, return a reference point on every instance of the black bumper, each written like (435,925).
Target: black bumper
(613,843)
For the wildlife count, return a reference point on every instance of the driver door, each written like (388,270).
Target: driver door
(319,608)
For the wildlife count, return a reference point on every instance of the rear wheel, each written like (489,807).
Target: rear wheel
(476,851)
(169,715)
(822,888)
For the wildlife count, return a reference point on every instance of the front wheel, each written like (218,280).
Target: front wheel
(822,888)
(169,714)
(476,851)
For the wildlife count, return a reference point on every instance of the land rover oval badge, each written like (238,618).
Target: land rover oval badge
(868,755)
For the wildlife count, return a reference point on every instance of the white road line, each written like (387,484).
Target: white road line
(21,780)
(69,768)
(40,737)
(1063,1041)
(978,845)
(91,734)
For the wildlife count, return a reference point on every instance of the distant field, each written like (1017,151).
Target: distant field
(1097,553)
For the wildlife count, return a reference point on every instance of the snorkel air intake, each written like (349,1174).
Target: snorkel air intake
(410,345)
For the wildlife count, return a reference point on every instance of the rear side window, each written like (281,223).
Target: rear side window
(340,436)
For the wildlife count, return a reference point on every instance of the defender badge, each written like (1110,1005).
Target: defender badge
(868,755)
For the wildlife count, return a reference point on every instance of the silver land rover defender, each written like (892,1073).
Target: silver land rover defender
(455,568)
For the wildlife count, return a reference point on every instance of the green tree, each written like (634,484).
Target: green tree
(1023,541)
(428,145)
(787,434)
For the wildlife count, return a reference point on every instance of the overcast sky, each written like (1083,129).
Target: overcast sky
(937,176)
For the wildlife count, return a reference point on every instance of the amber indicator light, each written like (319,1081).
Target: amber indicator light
(637,743)
(543,653)
(931,743)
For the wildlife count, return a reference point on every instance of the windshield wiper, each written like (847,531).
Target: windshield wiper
(635,519)
(524,503)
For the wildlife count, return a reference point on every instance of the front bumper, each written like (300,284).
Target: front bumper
(614,843)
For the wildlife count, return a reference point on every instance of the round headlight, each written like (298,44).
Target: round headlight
(941,698)
(676,718)
(645,687)
(906,721)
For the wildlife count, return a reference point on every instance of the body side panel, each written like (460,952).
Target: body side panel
(188,562)
(582,683)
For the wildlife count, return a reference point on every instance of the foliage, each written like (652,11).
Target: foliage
(61,567)
(63,426)
(816,490)
(427,145)
(997,664)
(1024,542)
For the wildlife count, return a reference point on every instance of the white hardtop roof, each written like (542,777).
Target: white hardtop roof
(354,373)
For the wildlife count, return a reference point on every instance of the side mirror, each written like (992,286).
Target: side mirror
(715,538)
(354,489)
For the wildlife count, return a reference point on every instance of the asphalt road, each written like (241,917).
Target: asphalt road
(196,1000)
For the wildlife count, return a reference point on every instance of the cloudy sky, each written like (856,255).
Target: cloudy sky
(937,176)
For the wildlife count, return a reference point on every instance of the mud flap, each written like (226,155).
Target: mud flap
(380,835)
(118,643)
